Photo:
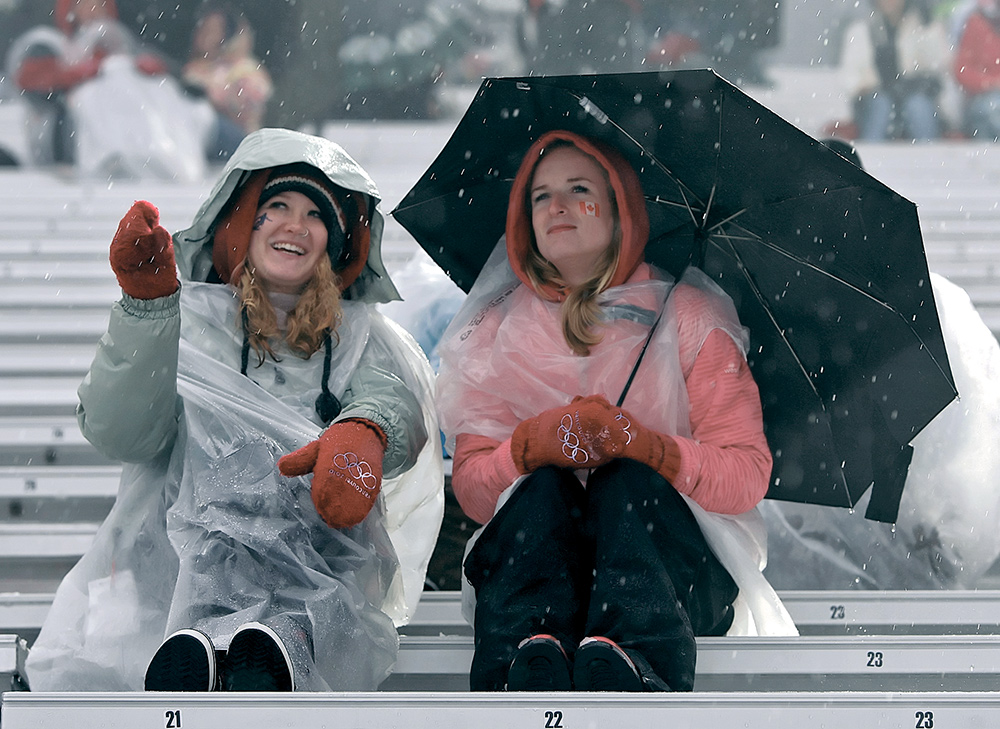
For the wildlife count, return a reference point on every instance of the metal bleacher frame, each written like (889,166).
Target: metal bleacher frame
(903,659)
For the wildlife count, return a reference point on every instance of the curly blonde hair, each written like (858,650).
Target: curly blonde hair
(317,311)
(580,311)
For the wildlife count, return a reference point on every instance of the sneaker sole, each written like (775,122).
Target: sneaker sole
(519,673)
(257,661)
(618,665)
(184,662)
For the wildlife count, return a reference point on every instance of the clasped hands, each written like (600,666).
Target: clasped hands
(587,433)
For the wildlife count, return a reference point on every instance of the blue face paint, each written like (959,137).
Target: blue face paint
(259,222)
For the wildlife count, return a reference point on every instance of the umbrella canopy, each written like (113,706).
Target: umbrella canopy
(825,264)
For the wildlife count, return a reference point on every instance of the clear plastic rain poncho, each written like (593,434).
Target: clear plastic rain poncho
(946,535)
(210,535)
(497,369)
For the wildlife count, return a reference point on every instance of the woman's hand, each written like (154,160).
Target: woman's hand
(346,463)
(583,434)
(142,254)
(656,450)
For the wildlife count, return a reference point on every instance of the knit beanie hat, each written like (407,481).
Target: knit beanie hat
(337,209)
(298,178)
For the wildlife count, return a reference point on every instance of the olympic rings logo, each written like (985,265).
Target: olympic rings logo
(357,468)
(571,441)
(628,424)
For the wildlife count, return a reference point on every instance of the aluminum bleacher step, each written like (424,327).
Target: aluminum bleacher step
(33,359)
(46,494)
(41,441)
(35,541)
(909,710)
(500,711)
(38,396)
(803,663)
(815,612)
(54,327)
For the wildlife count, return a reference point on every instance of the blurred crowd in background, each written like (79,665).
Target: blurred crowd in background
(384,58)
(913,69)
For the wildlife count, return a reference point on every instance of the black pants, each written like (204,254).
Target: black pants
(623,558)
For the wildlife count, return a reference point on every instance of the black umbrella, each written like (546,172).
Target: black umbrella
(825,264)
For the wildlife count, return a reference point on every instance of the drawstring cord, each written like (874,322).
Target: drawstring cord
(327,405)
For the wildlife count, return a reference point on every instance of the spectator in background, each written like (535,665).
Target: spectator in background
(222,66)
(725,36)
(894,65)
(47,63)
(977,70)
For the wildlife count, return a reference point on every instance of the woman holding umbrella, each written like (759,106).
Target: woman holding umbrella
(281,496)
(612,536)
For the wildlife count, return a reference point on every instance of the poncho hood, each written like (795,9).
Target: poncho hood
(209,247)
(631,203)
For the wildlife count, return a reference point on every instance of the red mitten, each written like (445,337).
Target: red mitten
(659,452)
(583,434)
(346,463)
(142,254)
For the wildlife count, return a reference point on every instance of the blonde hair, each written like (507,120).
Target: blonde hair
(579,311)
(317,310)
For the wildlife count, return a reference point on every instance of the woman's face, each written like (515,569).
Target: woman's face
(287,241)
(571,212)
(209,35)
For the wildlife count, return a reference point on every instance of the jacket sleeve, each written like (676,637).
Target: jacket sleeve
(378,394)
(726,464)
(482,469)
(129,406)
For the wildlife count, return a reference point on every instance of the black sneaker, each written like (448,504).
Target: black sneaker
(602,665)
(184,662)
(257,661)
(540,664)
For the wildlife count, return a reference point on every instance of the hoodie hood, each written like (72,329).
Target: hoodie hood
(215,245)
(631,207)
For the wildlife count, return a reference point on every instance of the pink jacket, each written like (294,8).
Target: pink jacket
(725,465)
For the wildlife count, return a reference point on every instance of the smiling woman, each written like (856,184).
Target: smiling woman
(249,543)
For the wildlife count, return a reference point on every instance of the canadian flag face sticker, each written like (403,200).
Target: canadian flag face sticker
(590,208)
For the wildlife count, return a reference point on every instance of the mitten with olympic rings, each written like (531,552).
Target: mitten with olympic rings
(346,463)
(583,434)
(658,451)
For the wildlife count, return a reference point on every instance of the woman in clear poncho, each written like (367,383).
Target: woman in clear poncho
(201,388)
(612,536)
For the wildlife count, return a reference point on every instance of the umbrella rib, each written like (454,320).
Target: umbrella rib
(770,314)
(816,269)
(682,188)
(781,332)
